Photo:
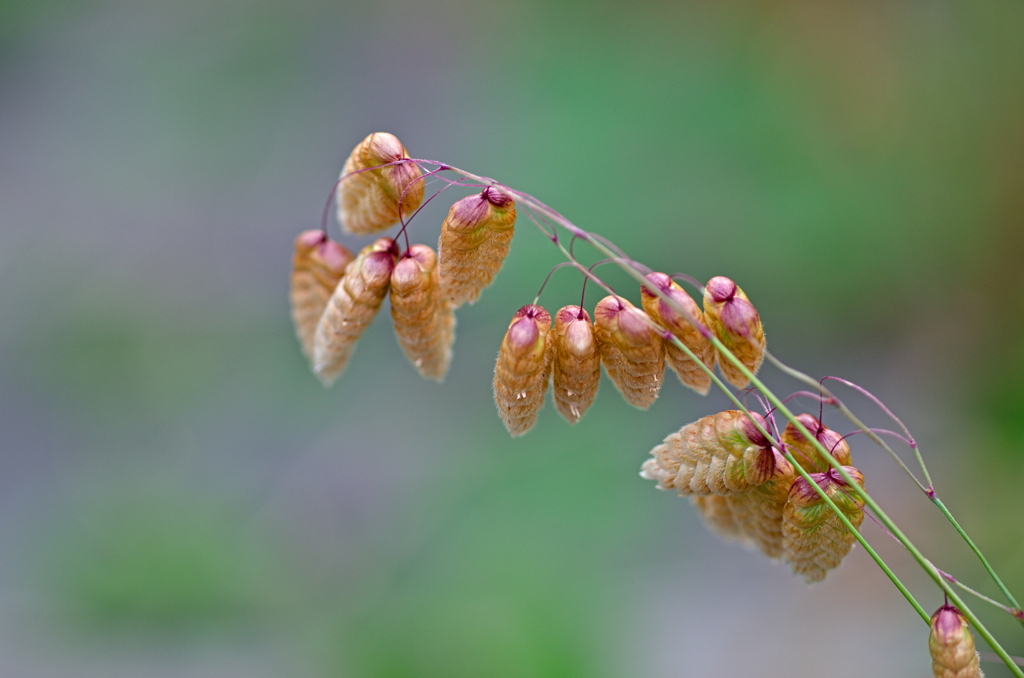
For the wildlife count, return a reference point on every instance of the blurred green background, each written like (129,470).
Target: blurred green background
(180,497)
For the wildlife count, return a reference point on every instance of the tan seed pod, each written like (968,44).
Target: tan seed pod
(522,371)
(952,645)
(758,511)
(317,266)
(734,320)
(351,309)
(424,322)
(475,238)
(370,200)
(805,452)
(688,371)
(814,540)
(718,515)
(722,453)
(632,351)
(575,362)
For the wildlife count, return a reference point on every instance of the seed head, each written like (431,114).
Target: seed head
(317,266)
(759,510)
(734,320)
(351,309)
(814,540)
(475,238)
(373,199)
(575,362)
(632,351)
(952,645)
(679,325)
(804,450)
(716,511)
(424,322)
(522,371)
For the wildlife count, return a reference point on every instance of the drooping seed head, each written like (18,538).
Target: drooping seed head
(632,350)
(474,241)
(806,453)
(424,322)
(575,362)
(317,266)
(735,322)
(681,325)
(951,645)
(370,200)
(522,371)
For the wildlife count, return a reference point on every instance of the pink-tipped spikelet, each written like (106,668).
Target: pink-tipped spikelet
(351,309)
(814,540)
(722,453)
(575,362)
(369,201)
(805,452)
(716,511)
(758,511)
(952,645)
(688,371)
(424,322)
(632,351)
(475,238)
(734,320)
(522,371)
(317,266)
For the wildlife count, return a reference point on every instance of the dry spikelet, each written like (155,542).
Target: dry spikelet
(717,513)
(522,370)
(475,238)
(424,322)
(317,266)
(758,511)
(575,362)
(722,453)
(952,645)
(814,540)
(688,371)
(632,351)
(369,201)
(734,320)
(805,452)
(351,309)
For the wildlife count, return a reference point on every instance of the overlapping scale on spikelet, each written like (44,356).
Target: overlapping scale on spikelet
(951,645)
(805,452)
(688,371)
(722,453)
(814,540)
(758,511)
(575,362)
(475,239)
(424,321)
(371,200)
(522,371)
(716,511)
(351,309)
(317,266)
(632,351)
(734,320)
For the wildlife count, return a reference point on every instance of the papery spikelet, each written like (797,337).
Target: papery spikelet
(805,452)
(317,266)
(758,511)
(722,453)
(351,309)
(424,322)
(522,370)
(717,513)
(632,351)
(952,645)
(688,371)
(371,200)
(734,320)
(575,362)
(475,238)
(814,540)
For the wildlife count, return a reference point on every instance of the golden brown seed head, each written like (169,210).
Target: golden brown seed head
(717,512)
(522,370)
(424,322)
(952,645)
(317,266)
(805,452)
(734,320)
(475,239)
(814,540)
(370,200)
(631,349)
(680,325)
(575,362)
(759,510)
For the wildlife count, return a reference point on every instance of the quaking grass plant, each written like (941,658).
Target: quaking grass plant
(778,481)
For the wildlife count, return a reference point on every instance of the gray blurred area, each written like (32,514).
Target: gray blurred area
(180,497)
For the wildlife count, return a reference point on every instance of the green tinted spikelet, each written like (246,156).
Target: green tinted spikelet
(805,452)
(814,540)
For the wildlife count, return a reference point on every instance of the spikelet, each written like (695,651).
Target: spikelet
(813,539)
(575,362)
(688,371)
(370,201)
(758,511)
(424,322)
(805,452)
(475,238)
(522,371)
(317,266)
(351,309)
(721,453)
(952,645)
(717,513)
(632,351)
(735,322)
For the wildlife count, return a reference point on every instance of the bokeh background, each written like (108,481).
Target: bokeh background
(180,497)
